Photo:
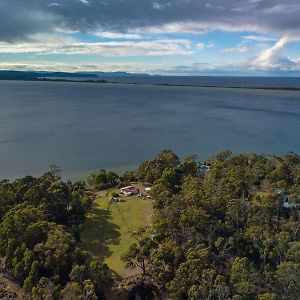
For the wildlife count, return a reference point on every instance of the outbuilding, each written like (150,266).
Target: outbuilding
(129,190)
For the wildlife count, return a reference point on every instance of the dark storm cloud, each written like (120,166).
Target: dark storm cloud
(17,20)
(20,18)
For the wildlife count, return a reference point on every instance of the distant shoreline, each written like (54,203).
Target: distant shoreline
(152,84)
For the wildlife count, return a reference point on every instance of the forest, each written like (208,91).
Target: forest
(228,232)
(39,239)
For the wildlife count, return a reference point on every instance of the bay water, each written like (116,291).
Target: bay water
(86,126)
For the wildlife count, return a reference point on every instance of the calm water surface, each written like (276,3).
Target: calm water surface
(85,126)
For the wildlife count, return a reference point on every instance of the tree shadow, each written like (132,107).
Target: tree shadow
(116,276)
(99,232)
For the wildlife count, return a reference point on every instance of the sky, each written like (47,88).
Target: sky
(170,37)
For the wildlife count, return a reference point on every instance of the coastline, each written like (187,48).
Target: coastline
(103,81)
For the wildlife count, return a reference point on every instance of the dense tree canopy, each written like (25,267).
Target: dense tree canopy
(229,229)
(103,180)
(230,233)
(39,232)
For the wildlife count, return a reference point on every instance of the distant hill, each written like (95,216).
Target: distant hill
(119,74)
(31,75)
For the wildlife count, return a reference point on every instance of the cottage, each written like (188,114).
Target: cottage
(129,190)
(204,169)
(287,203)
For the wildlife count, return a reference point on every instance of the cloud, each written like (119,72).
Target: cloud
(69,46)
(271,58)
(160,6)
(258,38)
(86,2)
(202,68)
(17,22)
(116,35)
(291,67)
(286,9)
(238,49)
(19,19)
(152,28)
(53,4)
(133,67)
(200,46)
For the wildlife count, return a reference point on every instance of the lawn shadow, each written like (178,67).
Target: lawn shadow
(99,232)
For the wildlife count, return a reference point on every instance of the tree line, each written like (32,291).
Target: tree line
(40,221)
(231,233)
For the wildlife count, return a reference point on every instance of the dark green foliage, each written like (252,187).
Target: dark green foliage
(103,180)
(128,177)
(151,171)
(137,254)
(38,238)
(227,234)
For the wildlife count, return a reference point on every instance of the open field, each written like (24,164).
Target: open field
(109,233)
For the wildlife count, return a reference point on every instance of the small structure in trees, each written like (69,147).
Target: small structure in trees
(129,190)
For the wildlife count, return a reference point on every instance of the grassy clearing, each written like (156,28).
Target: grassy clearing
(109,233)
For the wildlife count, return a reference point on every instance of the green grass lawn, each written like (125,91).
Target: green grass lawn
(108,234)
